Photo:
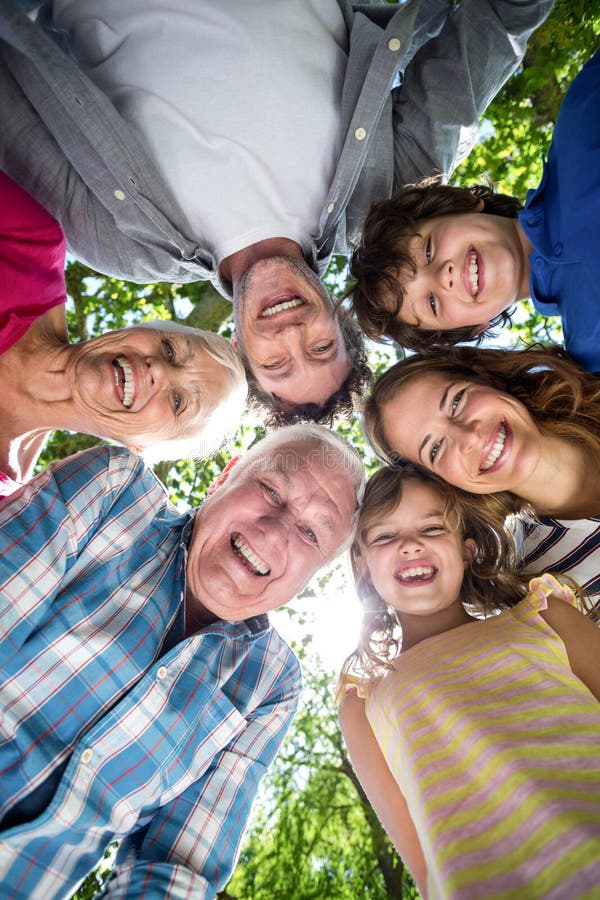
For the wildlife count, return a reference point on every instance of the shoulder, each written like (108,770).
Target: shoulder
(351,709)
(113,471)
(278,667)
(568,546)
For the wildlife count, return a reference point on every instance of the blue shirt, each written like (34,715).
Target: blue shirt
(161,748)
(561,218)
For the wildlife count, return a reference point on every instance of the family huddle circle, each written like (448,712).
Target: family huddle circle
(176,177)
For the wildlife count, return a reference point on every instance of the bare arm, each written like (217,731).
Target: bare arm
(381,787)
(581,638)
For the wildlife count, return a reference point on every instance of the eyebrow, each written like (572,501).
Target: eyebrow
(424,443)
(434,514)
(323,518)
(285,372)
(441,407)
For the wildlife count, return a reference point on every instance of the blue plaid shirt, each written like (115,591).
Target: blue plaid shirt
(161,748)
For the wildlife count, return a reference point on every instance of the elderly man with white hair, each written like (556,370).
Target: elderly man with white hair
(143,691)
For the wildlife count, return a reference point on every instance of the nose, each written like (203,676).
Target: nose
(290,334)
(466,435)
(409,544)
(156,373)
(276,527)
(446,275)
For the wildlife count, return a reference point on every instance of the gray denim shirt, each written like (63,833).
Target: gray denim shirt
(419,75)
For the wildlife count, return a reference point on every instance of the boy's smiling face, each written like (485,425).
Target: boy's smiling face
(469,268)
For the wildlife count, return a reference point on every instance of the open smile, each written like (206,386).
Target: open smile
(124,380)
(496,449)
(415,574)
(279,305)
(473,273)
(247,556)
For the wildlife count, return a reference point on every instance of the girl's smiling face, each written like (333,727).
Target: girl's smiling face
(470,434)
(415,561)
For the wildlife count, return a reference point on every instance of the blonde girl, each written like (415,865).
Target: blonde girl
(475,734)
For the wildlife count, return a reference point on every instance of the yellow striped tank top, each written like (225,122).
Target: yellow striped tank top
(495,744)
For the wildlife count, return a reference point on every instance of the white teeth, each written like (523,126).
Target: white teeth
(279,307)
(121,364)
(473,273)
(496,449)
(258,564)
(415,572)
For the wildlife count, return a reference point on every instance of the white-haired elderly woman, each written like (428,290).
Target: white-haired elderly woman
(165,390)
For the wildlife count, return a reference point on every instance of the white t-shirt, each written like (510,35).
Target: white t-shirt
(238,103)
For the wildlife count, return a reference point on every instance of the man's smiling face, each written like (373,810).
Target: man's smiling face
(262,535)
(289,332)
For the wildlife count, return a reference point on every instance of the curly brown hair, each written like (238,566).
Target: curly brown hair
(490,583)
(382,262)
(561,396)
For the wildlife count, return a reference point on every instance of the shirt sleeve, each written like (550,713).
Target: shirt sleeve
(453,78)
(190,847)
(46,524)
(32,261)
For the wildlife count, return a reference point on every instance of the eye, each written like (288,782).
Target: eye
(176,402)
(433,304)
(428,250)
(309,534)
(169,350)
(382,538)
(323,348)
(455,402)
(433,451)
(270,493)
(274,365)
(433,529)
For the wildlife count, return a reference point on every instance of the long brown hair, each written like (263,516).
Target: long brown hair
(561,396)
(490,582)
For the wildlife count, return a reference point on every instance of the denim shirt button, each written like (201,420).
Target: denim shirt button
(360,134)
(394,45)
(558,248)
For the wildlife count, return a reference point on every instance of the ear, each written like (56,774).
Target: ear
(481,328)
(234,341)
(469,551)
(222,478)
(480,205)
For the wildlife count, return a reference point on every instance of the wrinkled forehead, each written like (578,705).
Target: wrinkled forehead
(312,472)
(300,457)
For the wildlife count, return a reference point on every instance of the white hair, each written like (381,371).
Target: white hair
(223,421)
(331,452)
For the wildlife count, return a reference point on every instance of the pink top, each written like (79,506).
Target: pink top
(32,262)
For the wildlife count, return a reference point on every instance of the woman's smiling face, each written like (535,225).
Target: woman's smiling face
(143,386)
(470,434)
